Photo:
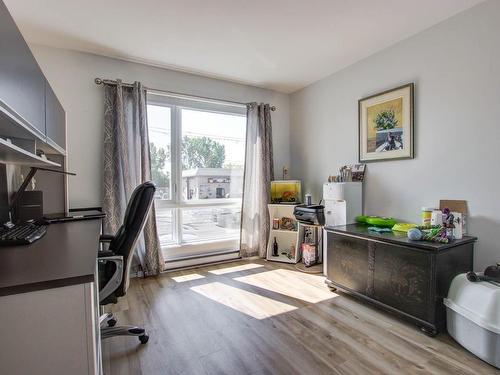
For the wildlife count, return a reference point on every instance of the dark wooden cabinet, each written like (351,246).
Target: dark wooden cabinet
(402,279)
(349,262)
(55,118)
(22,83)
(409,278)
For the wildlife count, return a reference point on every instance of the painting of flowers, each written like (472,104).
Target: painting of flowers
(386,125)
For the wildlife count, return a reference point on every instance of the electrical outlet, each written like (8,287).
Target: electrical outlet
(285,172)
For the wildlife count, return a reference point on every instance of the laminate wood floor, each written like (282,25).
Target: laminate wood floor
(258,317)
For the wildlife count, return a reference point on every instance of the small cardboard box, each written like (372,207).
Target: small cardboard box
(456,206)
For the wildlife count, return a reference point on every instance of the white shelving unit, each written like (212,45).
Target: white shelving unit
(285,238)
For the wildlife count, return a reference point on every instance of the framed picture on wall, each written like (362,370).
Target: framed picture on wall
(386,125)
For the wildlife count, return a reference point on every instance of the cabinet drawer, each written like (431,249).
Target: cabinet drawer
(402,279)
(347,261)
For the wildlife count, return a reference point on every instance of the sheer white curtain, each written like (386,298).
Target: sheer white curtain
(259,173)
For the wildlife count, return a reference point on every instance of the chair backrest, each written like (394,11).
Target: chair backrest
(126,237)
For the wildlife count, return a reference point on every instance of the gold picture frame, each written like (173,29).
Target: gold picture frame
(385,123)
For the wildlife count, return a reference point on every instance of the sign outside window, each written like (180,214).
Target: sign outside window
(219,180)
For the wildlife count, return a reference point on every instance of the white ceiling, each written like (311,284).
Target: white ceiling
(277,44)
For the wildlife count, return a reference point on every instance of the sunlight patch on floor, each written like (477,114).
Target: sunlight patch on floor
(303,286)
(248,303)
(190,277)
(243,267)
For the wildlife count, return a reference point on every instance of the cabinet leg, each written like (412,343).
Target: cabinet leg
(330,286)
(431,332)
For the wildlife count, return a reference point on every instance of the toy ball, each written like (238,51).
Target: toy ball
(414,234)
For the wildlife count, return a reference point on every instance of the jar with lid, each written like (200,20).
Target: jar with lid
(426,215)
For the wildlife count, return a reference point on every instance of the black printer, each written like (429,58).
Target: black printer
(310,215)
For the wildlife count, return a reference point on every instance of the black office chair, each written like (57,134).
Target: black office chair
(115,262)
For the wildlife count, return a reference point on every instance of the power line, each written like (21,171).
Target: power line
(194,134)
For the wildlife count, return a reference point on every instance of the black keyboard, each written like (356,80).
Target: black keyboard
(22,234)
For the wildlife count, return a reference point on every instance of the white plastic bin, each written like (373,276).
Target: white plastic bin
(473,317)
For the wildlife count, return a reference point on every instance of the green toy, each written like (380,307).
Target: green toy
(377,221)
(435,233)
(361,219)
(403,227)
(428,227)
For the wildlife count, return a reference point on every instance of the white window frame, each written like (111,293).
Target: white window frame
(177,249)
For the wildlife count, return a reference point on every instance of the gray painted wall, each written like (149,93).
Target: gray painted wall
(71,74)
(456,69)
(455,66)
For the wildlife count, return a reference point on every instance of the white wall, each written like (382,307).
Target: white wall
(456,69)
(71,74)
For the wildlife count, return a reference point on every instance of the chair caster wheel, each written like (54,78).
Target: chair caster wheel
(144,339)
(112,322)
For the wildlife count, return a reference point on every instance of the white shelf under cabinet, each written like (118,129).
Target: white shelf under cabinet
(13,125)
(285,238)
(12,154)
(284,231)
(281,258)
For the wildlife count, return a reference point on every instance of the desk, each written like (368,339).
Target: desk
(49,302)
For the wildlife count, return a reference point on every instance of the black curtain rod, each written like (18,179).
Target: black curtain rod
(100,81)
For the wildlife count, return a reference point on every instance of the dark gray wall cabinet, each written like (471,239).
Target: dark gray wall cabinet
(55,118)
(22,83)
(408,278)
(23,87)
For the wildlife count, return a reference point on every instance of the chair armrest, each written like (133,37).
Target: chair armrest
(106,238)
(116,279)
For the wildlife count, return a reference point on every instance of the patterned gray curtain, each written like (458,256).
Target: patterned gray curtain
(259,173)
(127,164)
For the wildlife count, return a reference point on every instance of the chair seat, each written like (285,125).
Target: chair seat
(111,299)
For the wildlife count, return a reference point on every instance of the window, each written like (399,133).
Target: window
(197,161)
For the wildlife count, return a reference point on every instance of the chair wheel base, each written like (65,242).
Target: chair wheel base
(140,333)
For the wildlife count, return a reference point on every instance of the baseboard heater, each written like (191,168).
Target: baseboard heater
(201,259)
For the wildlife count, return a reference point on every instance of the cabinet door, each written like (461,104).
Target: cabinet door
(347,261)
(22,83)
(55,118)
(402,279)
(61,315)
